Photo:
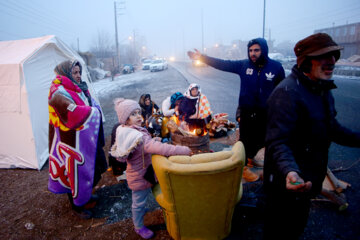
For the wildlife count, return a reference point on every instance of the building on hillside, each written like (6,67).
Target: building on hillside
(347,35)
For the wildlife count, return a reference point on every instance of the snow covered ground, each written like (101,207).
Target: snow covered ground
(107,85)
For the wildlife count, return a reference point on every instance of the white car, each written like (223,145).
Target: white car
(146,64)
(158,65)
(165,64)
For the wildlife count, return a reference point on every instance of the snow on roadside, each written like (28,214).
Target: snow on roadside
(106,86)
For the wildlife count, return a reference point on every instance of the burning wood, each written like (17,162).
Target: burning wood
(193,136)
(184,128)
(217,127)
(197,144)
(172,126)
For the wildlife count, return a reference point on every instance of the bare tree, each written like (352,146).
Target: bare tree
(102,45)
(286,48)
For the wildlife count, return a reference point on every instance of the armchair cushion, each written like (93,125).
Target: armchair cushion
(201,158)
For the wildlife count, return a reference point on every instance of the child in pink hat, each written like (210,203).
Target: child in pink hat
(134,145)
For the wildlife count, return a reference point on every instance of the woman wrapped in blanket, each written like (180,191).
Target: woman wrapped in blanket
(76,139)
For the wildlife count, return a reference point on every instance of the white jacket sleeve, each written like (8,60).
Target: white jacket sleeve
(165,107)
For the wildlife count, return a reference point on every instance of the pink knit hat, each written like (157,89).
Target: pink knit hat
(124,107)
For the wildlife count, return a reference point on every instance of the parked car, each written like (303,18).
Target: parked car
(146,64)
(158,65)
(165,64)
(128,68)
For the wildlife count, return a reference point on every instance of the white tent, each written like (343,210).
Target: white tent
(26,71)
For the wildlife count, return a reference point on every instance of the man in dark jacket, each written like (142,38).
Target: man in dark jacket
(301,125)
(259,75)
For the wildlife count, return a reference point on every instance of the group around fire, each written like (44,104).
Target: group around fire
(293,117)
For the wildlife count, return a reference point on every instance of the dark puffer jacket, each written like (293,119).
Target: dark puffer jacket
(147,110)
(301,126)
(257,79)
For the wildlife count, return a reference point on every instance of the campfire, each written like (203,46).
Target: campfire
(195,136)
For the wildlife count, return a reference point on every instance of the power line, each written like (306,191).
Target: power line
(19,12)
(11,34)
(45,13)
(319,19)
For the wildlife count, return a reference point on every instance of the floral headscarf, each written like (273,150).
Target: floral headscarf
(188,91)
(202,105)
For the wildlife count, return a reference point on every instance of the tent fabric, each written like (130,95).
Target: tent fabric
(26,71)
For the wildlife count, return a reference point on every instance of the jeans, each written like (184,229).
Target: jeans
(138,206)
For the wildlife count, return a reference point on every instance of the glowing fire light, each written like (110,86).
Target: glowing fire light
(194,130)
(175,119)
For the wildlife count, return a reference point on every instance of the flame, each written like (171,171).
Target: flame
(198,132)
(175,119)
(195,130)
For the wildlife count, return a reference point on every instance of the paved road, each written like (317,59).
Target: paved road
(159,85)
(222,89)
(325,222)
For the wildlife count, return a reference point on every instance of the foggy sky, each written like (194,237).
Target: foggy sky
(172,27)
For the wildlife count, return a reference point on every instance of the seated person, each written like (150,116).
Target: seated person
(195,108)
(170,107)
(148,107)
(151,115)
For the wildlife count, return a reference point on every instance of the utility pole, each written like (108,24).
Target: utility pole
(134,46)
(202,31)
(183,43)
(117,62)
(264,21)
(116,34)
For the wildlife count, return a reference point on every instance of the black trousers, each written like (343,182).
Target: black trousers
(252,128)
(117,167)
(286,215)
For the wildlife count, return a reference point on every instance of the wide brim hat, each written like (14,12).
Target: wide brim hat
(316,45)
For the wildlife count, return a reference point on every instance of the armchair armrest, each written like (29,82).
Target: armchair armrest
(159,197)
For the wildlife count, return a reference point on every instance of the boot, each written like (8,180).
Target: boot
(249,176)
(144,232)
(254,162)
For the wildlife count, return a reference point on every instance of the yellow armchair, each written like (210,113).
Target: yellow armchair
(198,194)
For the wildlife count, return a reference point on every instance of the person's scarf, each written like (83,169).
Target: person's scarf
(65,69)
